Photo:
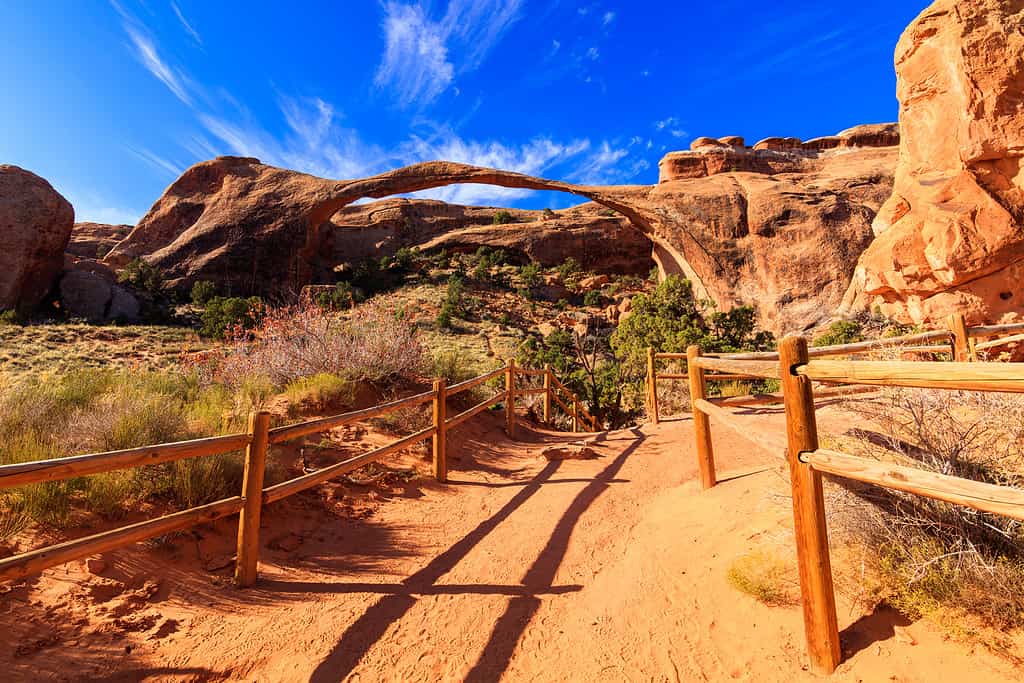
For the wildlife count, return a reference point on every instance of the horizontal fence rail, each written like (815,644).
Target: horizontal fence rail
(57,469)
(1000,377)
(282,434)
(999,500)
(256,442)
(35,561)
(798,367)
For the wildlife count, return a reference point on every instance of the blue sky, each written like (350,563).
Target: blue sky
(110,101)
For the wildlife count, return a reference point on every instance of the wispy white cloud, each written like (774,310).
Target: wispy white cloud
(185,23)
(423,54)
(415,63)
(317,143)
(670,125)
(158,162)
(608,18)
(593,53)
(537,156)
(147,54)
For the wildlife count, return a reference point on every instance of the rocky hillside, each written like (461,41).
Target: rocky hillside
(915,220)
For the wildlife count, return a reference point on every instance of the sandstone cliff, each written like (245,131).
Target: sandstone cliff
(950,237)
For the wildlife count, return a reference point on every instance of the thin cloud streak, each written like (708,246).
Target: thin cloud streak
(185,23)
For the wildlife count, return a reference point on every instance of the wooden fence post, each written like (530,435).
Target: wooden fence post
(547,393)
(961,343)
(247,559)
(701,424)
(440,440)
(575,413)
(510,398)
(652,386)
(819,602)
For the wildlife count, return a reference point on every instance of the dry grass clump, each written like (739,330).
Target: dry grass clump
(371,343)
(764,576)
(933,556)
(93,410)
(320,392)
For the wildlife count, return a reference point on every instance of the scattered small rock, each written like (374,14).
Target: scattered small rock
(95,565)
(219,562)
(287,543)
(903,635)
(569,452)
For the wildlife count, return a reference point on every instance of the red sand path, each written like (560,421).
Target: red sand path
(612,569)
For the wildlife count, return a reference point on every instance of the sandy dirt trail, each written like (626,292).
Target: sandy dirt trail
(521,569)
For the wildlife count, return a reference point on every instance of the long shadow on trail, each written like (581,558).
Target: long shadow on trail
(366,631)
(510,626)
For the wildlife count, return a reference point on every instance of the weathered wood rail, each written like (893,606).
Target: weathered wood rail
(794,365)
(256,442)
(958,341)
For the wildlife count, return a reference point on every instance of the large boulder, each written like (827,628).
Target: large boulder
(950,237)
(89,290)
(35,223)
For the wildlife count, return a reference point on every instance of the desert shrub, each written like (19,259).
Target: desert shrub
(444,316)
(142,276)
(670,318)
(321,391)
(225,316)
(10,317)
(502,217)
(343,296)
(592,298)
(840,332)
(930,555)
(370,344)
(570,271)
(452,366)
(765,577)
(202,292)
(530,274)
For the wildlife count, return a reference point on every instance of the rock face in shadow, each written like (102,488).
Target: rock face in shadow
(35,223)
(950,237)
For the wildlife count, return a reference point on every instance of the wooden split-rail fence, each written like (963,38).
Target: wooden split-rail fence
(256,442)
(798,367)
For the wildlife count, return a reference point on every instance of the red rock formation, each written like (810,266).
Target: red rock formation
(950,237)
(35,221)
(95,240)
(601,240)
(781,235)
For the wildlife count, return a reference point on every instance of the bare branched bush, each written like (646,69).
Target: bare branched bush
(371,344)
(934,555)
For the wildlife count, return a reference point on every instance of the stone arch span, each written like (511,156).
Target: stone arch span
(257,228)
(433,174)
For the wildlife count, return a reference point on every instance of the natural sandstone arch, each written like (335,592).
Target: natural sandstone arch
(235,220)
